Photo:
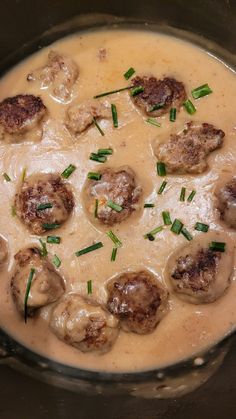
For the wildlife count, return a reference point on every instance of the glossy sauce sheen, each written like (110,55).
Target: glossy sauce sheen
(187,328)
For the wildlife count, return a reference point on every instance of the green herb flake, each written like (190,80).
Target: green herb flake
(27,292)
(43,251)
(114,206)
(147,205)
(182,194)
(166,218)
(68,171)
(6,177)
(42,207)
(56,261)
(177,226)
(201,91)
(94,176)
(189,107)
(201,227)
(153,121)
(112,92)
(173,115)
(191,196)
(153,232)
(114,238)
(97,158)
(98,127)
(162,187)
(161,168)
(89,249)
(137,90)
(89,287)
(129,73)
(114,115)
(53,239)
(217,246)
(96,209)
(113,254)
(156,107)
(50,226)
(186,234)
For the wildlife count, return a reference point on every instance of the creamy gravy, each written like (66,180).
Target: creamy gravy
(188,328)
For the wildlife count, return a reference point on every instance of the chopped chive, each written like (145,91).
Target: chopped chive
(111,92)
(42,207)
(153,232)
(89,287)
(147,205)
(217,246)
(166,218)
(28,286)
(50,226)
(201,91)
(114,115)
(189,106)
(162,187)
(68,171)
(201,227)
(105,151)
(177,226)
(182,194)
(113,254)
(114,238)
(94,176)
(53,239)
(156,107)
(114,206)
(186,234)
(6,177)
(153,121)
(89,249)
(96,209)
(137,90)
(98,127)
(161,168)
(129,73)
(56,261)
(13,211)
(43,251)
(191,196)
(23,176)
(172,114)
(97,158)
(149,237)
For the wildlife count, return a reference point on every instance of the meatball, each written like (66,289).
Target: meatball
(138,300)
(3,252)
(47,285)
(44,199)
(86,327)
(60,72)
(187,152)
(116,186)
(166,93)
(81,116)
(199,274)
(226,202)
(20,114)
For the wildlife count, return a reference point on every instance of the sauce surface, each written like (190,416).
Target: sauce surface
(188,328)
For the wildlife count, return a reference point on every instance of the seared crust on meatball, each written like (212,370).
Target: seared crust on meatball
(86,327)
(47,285)
(81,116)
(61,72)
(138,300)
(21,113)
(3,252)
(116,185)
(199,274)
(226,203)
(167,92)
(40,189)
(187,152)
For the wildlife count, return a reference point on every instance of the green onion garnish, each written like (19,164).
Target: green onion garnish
(111,92)
(217,246)
(172,114)
(182,194)
(156,107)
(50,226)
(129,73)
(191,196)
(166,218)
(13,211)
(105,151)
(96,209)
(189,106)
(53,239)
(137,90)
(98,127)
(201,91)
(114,206)
(89,249)
(56,261)
(114,115)
(161,168)
(6,177)
(153,232)
(97,158)
(94,176)
(89,287)
(68,171)
(23,176)
(186,234)
(43,251)
(201,227)
(28,286)
(149,237)
(147,205)
(114,238)
(113,254)
(162,187)
(42,207)
(177,226)
(153,121)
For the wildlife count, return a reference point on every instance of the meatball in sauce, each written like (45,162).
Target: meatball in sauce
(81,116)
(226,202)
(3,252)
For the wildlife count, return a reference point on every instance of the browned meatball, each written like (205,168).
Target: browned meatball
(47,285)
(187,152)
(85,326)
(21,113)
(37,191)
(118,186)
(166,93)
(81,116)
(3,252)
(138,300)
(226,202)
(61,72)
(199,274)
